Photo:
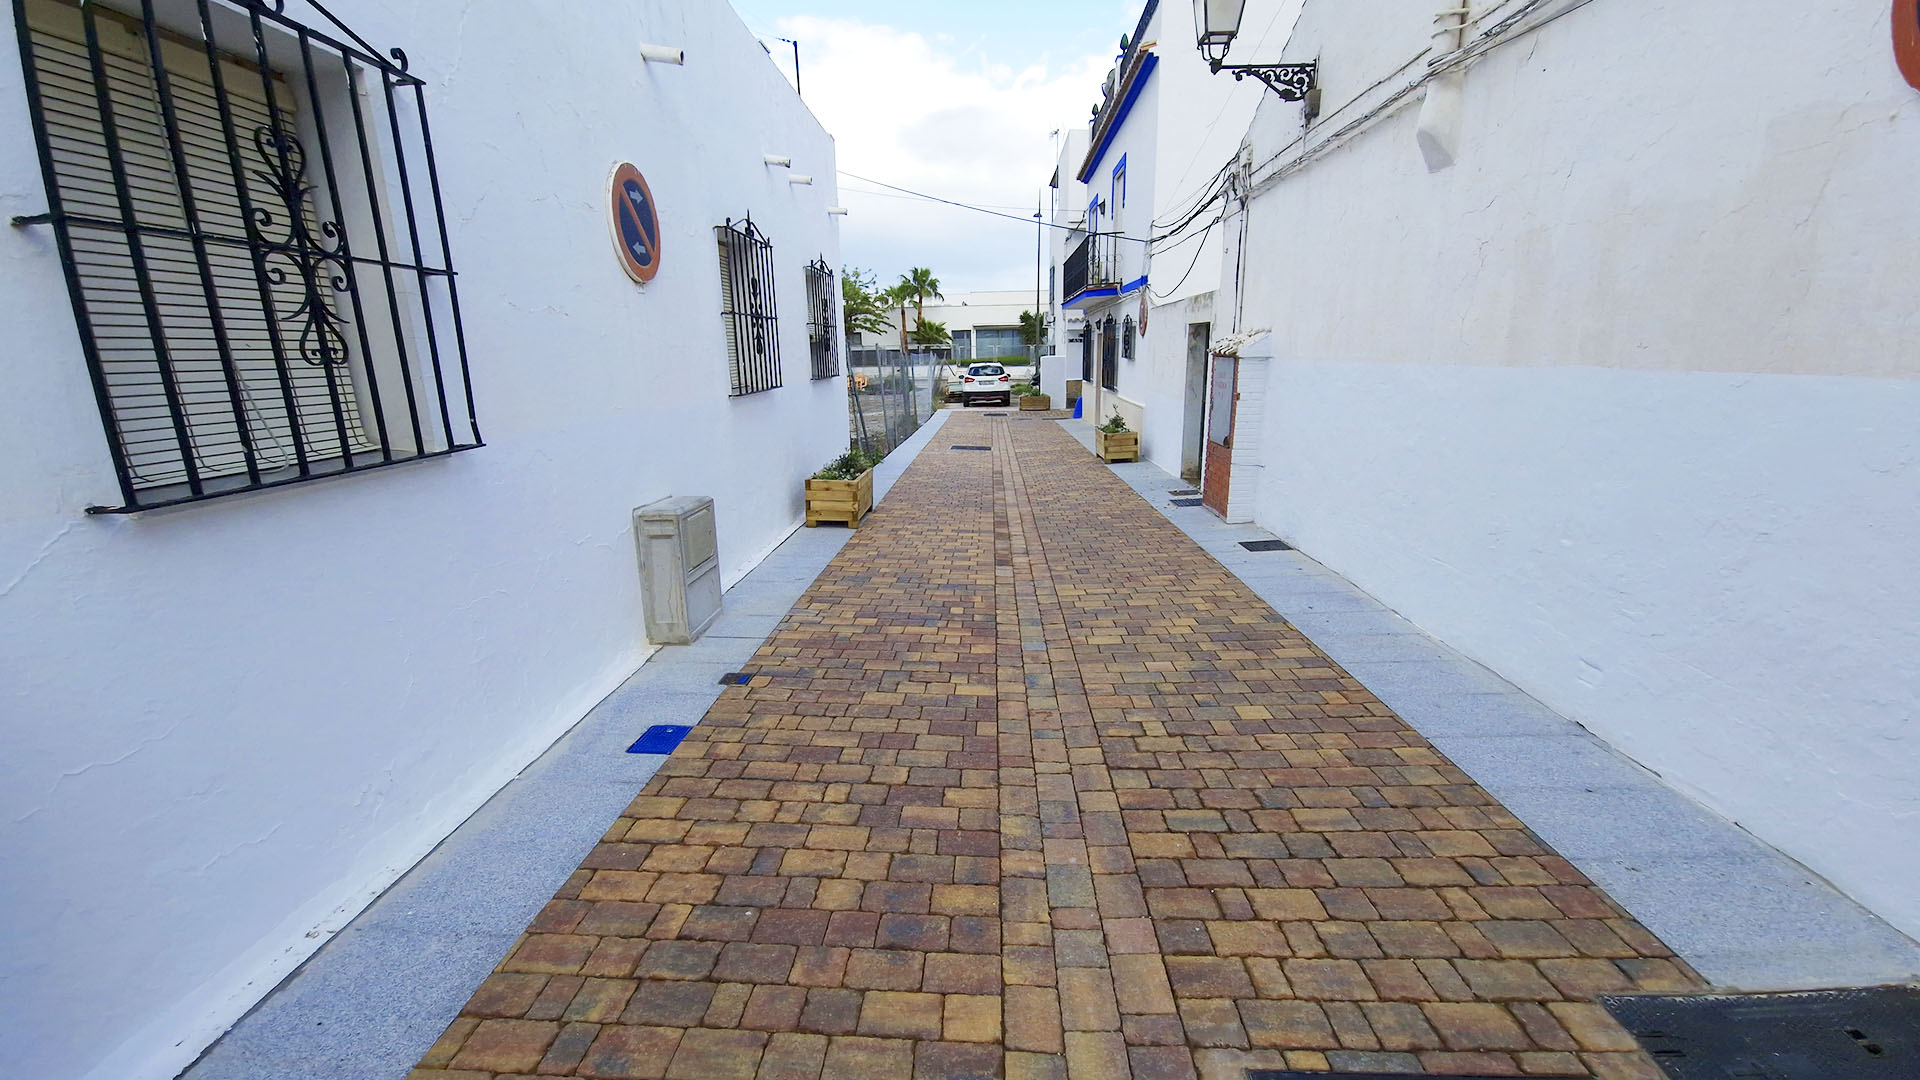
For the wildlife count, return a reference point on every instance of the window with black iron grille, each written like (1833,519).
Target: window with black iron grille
(1126,339)
(250,224)
(750,312)
(822,303)
(1109,355)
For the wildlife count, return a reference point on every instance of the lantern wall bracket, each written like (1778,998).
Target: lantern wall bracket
(1293,82)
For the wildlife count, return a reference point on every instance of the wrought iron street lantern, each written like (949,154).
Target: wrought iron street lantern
(1217,22)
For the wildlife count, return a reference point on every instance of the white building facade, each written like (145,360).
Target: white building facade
(1592,351)
(1146,195)
(230,723)
(984,324)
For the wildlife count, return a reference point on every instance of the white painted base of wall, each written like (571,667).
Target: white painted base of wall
(1713,572)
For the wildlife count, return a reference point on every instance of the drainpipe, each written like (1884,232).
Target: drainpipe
(1442,114)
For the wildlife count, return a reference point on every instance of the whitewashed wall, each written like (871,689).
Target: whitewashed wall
(1158,379)
(1187,124)
(1622,404)
(230,725)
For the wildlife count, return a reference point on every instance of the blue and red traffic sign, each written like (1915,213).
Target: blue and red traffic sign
(636,223)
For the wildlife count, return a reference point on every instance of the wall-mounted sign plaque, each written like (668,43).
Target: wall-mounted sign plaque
(636,223)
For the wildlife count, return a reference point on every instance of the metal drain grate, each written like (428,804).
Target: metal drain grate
(970,447)
(993,414)
(735,678)
(1266,545)
(1865,1034)
(1186,502)
(659,739)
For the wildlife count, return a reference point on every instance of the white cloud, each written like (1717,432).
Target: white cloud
(908,110)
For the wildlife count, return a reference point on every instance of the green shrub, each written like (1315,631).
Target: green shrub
(849,466)
(1115,426)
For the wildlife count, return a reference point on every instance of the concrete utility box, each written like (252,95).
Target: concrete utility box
(679,567)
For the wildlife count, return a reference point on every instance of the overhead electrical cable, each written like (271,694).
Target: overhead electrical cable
(1190,266)
(1026,220)
(1503,32)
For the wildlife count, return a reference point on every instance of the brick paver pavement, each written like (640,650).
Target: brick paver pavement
(1029,786)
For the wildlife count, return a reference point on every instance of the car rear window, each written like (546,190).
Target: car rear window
(986,369)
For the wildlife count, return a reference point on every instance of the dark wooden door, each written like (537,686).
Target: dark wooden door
(1223,394)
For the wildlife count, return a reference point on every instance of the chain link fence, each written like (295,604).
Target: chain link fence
(889,395)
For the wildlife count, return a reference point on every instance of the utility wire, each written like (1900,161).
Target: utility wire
(1190,218)
(916,198)
(1027,220)
(1500,33)
(1190,266)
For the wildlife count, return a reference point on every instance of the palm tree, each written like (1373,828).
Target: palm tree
(1031,328)
(920,284)
(931,333)
(899,296)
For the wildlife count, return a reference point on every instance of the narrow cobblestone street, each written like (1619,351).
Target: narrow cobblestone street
(1028,785)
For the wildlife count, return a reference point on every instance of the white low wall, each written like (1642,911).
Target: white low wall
(229,725)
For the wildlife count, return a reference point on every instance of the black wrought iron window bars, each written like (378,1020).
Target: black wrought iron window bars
(822,305)
(752,311)
(1109,354)
(239,331)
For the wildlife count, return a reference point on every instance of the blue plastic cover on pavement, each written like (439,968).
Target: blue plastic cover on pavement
(659,739)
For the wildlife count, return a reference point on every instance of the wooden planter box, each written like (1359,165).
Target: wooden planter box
(1124,446)
(843,502)
(1036,403)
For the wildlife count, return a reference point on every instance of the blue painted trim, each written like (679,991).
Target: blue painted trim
(1089,295)
(1134,286)
(1120,117)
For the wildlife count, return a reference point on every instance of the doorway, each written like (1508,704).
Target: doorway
(1222,397)
(1193,426)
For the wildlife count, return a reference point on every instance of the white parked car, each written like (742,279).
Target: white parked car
(986,384)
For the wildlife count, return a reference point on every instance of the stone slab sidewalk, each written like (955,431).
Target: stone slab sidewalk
(1028,785)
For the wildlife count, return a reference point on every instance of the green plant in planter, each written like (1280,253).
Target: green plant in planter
(848,466)
(1028,390)
(1115,426)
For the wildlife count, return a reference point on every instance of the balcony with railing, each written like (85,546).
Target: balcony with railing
(1091,270)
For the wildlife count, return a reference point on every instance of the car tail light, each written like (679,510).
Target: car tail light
(967,379)
(1006,378)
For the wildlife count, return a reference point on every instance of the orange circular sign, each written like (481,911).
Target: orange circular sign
(1906,39)
(636,223)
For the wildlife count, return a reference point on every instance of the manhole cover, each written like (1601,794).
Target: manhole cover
(1186,502)
(970,448)
(1865,1034)
(1266,545)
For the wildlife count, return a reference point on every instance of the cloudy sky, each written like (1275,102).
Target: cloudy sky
(958,99)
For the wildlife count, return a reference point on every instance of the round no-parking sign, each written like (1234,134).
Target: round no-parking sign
(636,223)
